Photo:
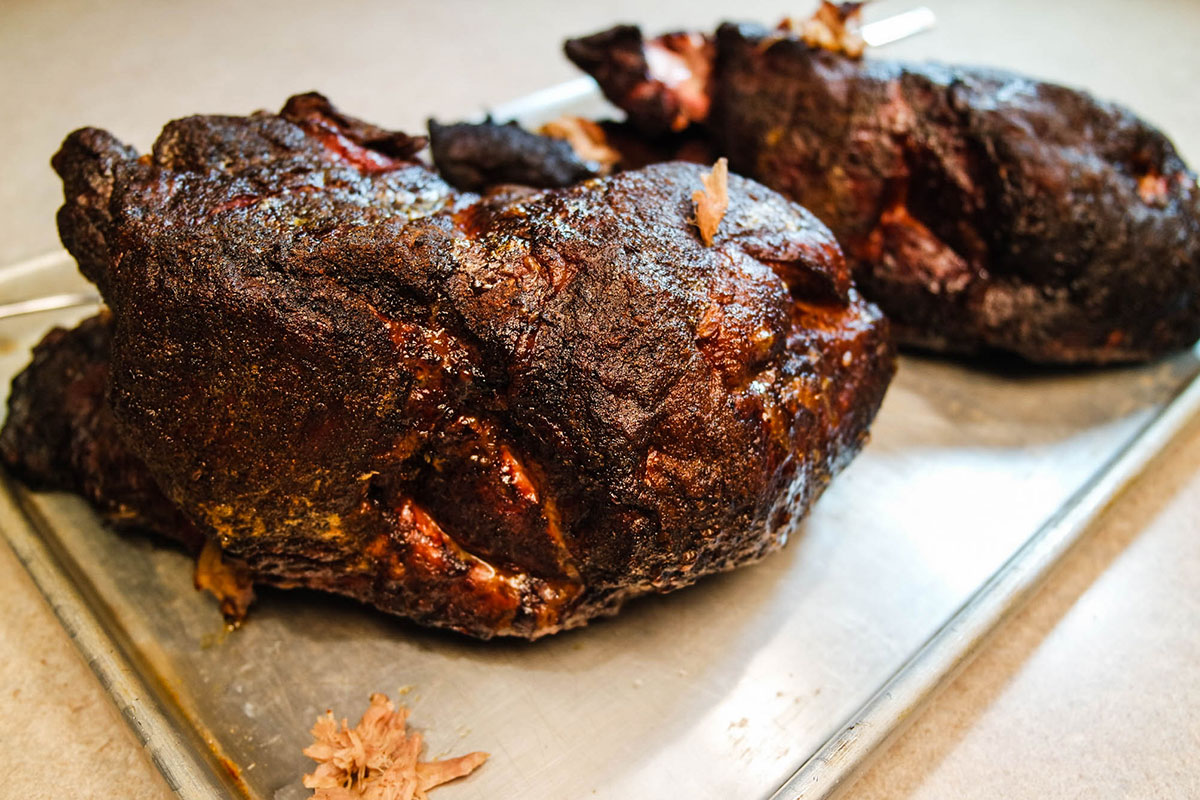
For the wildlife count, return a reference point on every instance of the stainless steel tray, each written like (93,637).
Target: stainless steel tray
(774,681)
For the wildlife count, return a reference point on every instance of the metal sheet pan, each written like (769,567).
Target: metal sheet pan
(773,681)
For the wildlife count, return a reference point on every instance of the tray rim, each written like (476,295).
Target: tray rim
(194,768)
(188,761)
(831,770)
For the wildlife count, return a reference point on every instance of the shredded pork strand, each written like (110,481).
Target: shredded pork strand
(834,27)
(586,138)
(227,580)
(712,200)
(377,759)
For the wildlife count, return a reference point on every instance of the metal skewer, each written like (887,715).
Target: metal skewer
(53,302)
(900,26)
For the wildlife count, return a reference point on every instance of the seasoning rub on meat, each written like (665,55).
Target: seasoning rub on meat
(504,415)
(981,209)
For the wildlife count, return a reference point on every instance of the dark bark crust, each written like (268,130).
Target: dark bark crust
(501,415)
(980,209)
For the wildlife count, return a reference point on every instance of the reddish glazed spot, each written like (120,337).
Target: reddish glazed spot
(682,62)
(368,161)
(515,476)
(241,201)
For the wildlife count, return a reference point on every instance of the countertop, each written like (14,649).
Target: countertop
(1092,690)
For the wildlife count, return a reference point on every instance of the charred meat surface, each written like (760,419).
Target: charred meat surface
(475,156)
(486,156)
(664,84)
(980,209)
(501,415)
(60,433)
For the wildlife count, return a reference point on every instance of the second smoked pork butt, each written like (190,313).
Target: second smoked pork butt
(981,209)
(502,415)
